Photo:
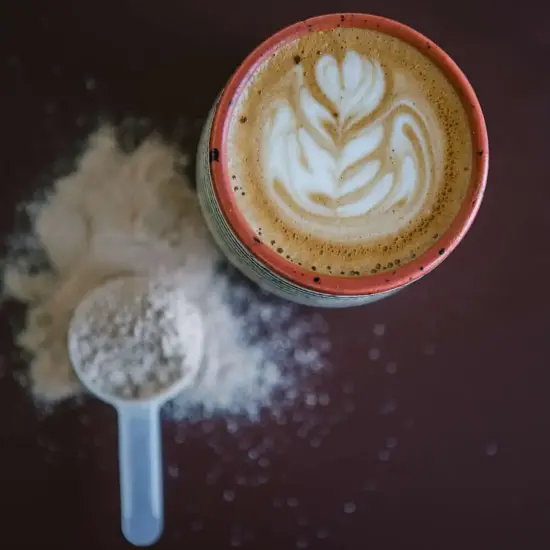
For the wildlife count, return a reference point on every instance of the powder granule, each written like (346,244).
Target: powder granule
(136,214)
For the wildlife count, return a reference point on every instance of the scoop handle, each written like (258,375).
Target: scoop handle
(140,464)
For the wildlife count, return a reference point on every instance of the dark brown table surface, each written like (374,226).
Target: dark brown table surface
(456,440)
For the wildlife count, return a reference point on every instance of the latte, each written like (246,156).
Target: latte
(349,151)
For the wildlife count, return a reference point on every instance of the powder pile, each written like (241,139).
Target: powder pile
(136,337)
(132,214)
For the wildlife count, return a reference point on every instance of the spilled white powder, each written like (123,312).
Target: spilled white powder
(136,214)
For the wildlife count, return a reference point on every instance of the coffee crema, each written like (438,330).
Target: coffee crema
(350,151)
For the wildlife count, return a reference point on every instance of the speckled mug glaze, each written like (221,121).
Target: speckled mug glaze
(270,270)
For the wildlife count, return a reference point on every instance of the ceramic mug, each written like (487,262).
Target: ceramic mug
(265,266)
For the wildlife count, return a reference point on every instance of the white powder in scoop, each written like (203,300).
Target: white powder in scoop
(137,337)
(136,214)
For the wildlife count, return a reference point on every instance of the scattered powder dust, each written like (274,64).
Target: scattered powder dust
(137,337)
(135,214)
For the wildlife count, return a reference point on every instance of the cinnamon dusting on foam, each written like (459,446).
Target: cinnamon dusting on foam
(351,152)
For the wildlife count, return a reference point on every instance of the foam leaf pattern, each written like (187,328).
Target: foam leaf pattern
(344,147)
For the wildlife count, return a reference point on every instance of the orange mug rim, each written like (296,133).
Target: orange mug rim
(362,284)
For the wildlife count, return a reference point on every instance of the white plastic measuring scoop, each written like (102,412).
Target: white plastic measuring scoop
(126,339)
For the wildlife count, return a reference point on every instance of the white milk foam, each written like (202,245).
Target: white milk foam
(376,170)
(348,150)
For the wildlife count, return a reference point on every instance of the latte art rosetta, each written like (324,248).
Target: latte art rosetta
(347,144)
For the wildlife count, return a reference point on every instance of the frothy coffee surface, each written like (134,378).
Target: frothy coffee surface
(349,152)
